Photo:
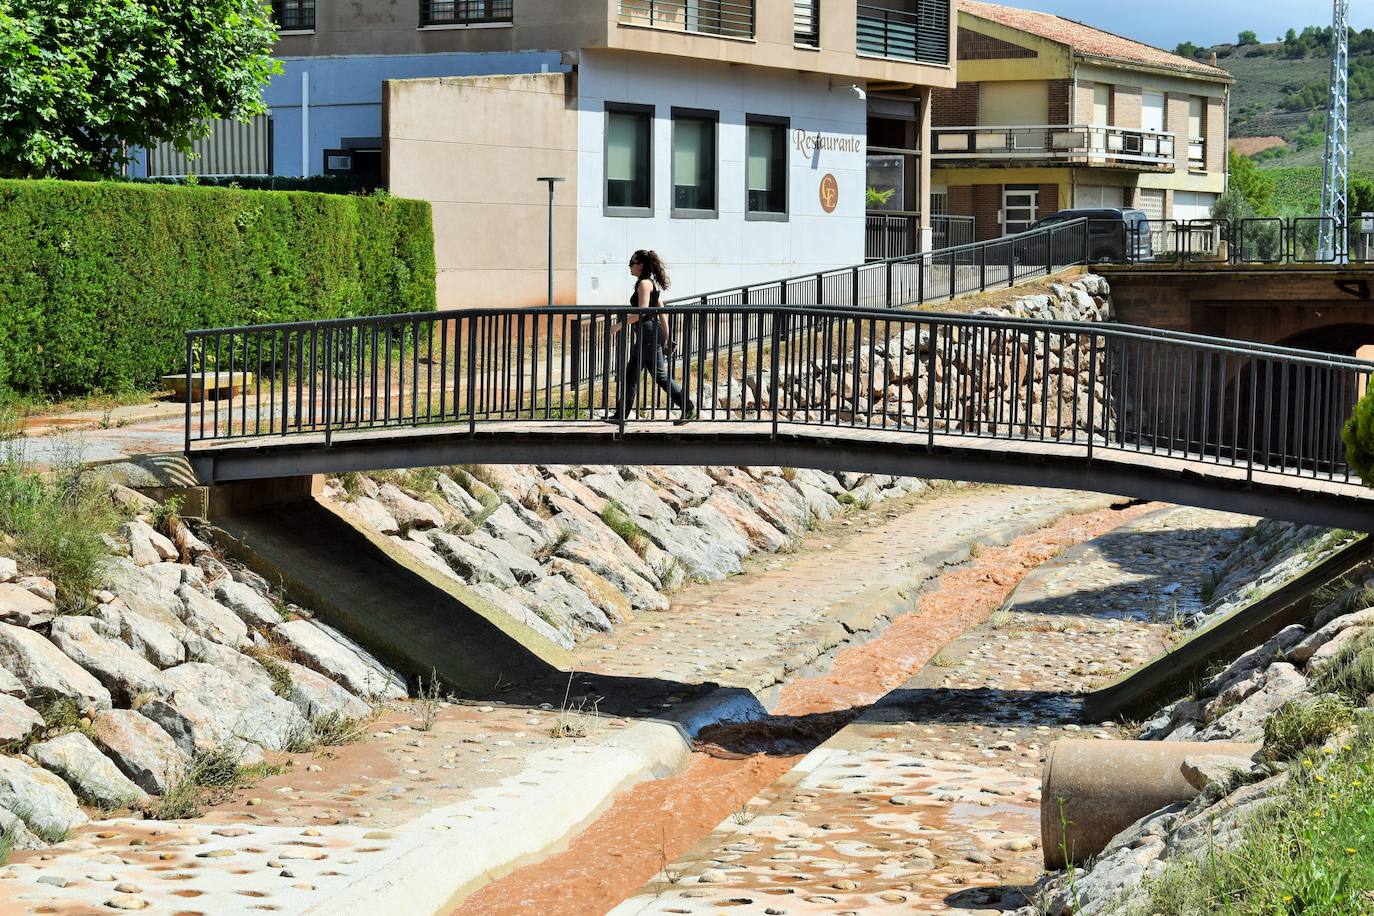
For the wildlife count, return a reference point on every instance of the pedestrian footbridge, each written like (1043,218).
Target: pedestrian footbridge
(1110,408)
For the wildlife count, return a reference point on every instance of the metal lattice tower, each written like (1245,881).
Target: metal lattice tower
(1336,166)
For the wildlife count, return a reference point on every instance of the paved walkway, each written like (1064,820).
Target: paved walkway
(504,779)
(930,801)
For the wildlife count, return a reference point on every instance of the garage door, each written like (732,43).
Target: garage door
(1193,205)
(1091,195)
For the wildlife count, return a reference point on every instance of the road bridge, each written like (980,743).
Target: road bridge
(1113,408)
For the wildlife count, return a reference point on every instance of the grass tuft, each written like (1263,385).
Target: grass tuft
(58,523)
(1300,724)
(614,516)
(211,777)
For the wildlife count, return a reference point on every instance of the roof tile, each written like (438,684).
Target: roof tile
(1085,39)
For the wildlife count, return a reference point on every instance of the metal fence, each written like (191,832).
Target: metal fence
(898,235)
(1090,386)
(709,17)
(1264,240)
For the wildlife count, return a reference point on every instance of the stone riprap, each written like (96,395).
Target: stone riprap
(1293,667)
(570,551)
(108,708)
(1050,383)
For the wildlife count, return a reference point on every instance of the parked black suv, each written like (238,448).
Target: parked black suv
(1112,233)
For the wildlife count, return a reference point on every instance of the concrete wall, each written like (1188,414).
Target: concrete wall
(474,147)
(346,95)
(708,254)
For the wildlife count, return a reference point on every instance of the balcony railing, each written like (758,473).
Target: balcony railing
(919,33)
(465,12)
(1197,154)
(730,18)
(898,235)
(1078,143)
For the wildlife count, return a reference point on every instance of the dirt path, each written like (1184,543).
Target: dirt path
(655,823)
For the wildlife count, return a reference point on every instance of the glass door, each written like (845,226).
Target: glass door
(1018,208)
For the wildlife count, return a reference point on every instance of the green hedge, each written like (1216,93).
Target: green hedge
(100,280)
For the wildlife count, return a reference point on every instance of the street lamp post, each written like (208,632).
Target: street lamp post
(551,181)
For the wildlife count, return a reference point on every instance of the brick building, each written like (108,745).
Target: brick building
(1049,113)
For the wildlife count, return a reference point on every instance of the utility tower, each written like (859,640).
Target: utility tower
(1336,166)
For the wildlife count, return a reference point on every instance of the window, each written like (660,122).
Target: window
(1019,203)
(294,15)
(1197,132)
(464,12)
(628,157)
(694,163)
(766,168)
(806,29)
(1152,110)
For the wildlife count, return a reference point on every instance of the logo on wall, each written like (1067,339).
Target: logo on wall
(830,193)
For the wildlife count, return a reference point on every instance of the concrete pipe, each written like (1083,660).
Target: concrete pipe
(1091,790)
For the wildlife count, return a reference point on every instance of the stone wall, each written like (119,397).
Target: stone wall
(994,382)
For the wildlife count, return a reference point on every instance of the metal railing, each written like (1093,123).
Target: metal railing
(731,18)
(1083,388)
(1078,143)
(465,12)
(919,34)
(1264,240)
(920,278)
(898,235)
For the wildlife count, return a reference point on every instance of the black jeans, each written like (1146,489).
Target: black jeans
(647,355)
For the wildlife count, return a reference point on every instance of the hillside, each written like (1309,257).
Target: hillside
(1281,91)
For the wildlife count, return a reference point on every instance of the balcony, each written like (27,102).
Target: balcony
(1074,144)
(907,30)
(727,18)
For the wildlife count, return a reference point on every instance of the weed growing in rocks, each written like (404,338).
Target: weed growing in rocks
(618,520)
(1307,853)
(564,535)
(282,681)
(743,815)
(209,779)
(1300,724)
(167,514)
(58,524)
(331,729)
(352,483)
(427,701)
(1000,620)
(573,721)
(1351,672)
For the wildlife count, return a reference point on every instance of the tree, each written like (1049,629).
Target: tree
(1187,49)
(1247,37)
(1255,187)
(83,82)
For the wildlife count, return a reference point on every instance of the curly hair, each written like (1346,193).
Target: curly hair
(653,267)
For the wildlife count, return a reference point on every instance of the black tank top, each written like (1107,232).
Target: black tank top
(645,329)
(634,296)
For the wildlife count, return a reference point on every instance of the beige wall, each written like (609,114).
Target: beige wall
(473,147)
(1126,106)
(392,27)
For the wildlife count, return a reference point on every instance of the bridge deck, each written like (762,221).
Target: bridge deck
(1176,476)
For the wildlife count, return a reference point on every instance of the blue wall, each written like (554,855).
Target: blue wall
(346,96)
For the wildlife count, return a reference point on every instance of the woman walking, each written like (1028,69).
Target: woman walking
(649,342)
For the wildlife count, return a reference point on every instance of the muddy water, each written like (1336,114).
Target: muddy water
(656,822)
